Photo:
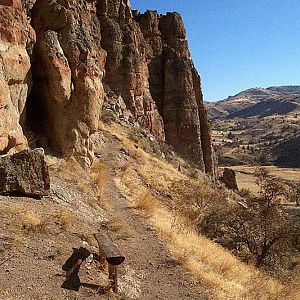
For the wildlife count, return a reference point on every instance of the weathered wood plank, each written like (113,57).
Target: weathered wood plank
(109,249)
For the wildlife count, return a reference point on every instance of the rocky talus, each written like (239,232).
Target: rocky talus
(57,56)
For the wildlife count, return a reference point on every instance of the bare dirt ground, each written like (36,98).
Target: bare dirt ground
(158,275)
(37,237)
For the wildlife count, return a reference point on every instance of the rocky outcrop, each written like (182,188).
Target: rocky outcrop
(16,40)
(229,179)
(68,67)
(143,59)
(25,172)
(127,72)
(150,66)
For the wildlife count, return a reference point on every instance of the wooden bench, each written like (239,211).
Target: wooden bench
(108,253)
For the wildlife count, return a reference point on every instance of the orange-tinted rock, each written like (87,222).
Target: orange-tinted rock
(68,67)
(147,64)
(16,36)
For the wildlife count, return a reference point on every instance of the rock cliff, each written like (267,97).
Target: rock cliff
(16,40)
(81,47)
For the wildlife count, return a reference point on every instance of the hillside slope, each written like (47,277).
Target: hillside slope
(257,102)
(258,126)
(131,191)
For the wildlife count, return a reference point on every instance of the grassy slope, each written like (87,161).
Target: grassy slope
(73,212)
(212,265)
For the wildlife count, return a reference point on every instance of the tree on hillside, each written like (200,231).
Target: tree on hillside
(256,229)
(294,192)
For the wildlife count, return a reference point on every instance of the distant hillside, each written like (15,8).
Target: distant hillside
(258,125)
(259,102)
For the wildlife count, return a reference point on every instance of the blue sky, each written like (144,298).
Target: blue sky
(239,44)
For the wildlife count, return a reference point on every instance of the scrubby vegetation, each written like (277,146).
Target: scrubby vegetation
(255,228)
(181,208)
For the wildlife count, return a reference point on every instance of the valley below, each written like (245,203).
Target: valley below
(258,127)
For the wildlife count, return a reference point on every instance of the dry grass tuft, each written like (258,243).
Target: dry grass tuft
(31,222)
(65,219)
(24,222)
(98,172)
(146,202)
(122,229)
(99,175)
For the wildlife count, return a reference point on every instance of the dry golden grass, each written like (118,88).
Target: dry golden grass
(64,167)
(245,175)
(64,218)
(214,267)
(146,202)
(99,175)
(98,172)
(211,264)
(24,222)
(32,222)
(72,172)
(122,228)
(92,185)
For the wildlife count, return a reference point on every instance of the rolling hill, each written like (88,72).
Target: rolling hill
(257,102)
(258,126)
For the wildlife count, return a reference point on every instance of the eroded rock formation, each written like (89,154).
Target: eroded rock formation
(149,64)
(81,45)
(68,67)
(16,40)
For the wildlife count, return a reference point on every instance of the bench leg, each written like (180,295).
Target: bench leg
(73,268)
(113,277)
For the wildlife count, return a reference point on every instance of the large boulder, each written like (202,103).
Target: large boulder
(229,179)
(25,172)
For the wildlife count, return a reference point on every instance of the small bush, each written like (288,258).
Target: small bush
(258,229)
(135,134)
(147,202)
(108,116)
(196,201)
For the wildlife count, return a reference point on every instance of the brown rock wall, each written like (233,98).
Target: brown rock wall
(68,67)
(16,38)
(142,58)
(150,66)
(127,71)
